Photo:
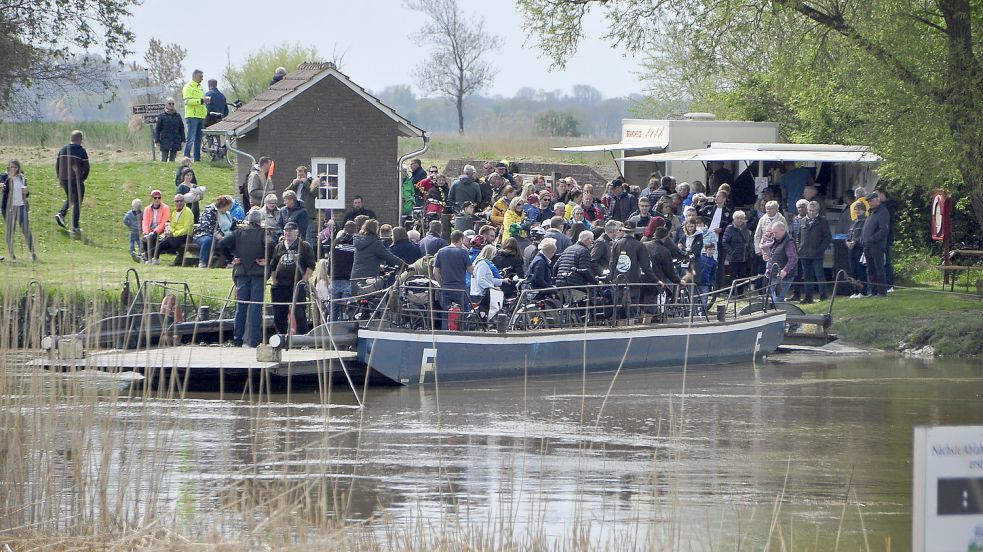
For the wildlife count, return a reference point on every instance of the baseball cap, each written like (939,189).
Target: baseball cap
(873,196)
(536,233)
(155,193)
(532,198)
(469,234)
(629,225)
(478,241)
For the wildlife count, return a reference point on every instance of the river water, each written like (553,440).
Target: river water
(631,461)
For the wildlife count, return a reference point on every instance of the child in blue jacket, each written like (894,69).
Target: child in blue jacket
(708,271)
(133,219)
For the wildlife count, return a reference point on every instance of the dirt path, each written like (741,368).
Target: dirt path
(36,155)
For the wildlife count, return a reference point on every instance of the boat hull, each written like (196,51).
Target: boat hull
(413,358)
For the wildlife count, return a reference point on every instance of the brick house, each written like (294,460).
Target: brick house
(317,117)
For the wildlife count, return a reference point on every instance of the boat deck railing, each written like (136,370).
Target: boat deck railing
(588,306)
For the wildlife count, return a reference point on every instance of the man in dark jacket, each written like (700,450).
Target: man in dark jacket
(891,205)
(217,103)
(291,267)
(540,272)
(247,249)
(465,188)
(600,252)
(72,168)
(718,217)
(342,258)
(660,256)
(417,174)
(814,238)
(630,258)
(169,131)
(623,204)
(371,253)
(643,215)
(556,232)
(294,211)
(573,267)
(451,268)
(536,236)
(358,209)
(432,242)
(738,247)
(503,170)
(874,239)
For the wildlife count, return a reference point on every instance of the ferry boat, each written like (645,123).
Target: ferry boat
(392,336)
(554,336)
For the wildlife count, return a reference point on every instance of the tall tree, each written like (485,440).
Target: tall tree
(456,68)
(165,62)
(906,76)
(60,45)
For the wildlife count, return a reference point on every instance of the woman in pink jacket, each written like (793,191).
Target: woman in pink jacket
(155,219)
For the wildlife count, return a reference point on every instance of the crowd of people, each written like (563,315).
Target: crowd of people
(565,234)
(471,229)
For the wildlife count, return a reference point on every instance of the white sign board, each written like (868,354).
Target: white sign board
(947,501)
(643,133)
(132,75)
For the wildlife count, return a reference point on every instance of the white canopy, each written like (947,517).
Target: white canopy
(621,146)
(824,153)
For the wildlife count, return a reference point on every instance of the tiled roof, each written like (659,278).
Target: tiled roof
(307,74)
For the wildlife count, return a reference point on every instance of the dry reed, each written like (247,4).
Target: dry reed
(87,463)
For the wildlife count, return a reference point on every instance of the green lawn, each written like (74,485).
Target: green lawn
(951,322)
(95,266)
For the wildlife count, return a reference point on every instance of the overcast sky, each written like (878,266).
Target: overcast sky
(376,34)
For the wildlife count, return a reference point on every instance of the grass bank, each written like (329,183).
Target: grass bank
(911,318)
(95,266)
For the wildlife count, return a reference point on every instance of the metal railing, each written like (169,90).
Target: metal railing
(589,306)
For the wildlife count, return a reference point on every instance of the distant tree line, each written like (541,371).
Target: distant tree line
(584,112)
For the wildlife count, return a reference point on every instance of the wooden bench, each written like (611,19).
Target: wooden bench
(191,256)
(949,273)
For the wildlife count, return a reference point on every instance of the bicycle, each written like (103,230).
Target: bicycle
(212,144)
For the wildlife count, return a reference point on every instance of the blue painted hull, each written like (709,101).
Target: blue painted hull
(413,358)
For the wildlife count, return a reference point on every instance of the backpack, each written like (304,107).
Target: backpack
(244,192)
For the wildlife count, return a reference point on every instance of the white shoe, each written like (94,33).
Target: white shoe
(856,295)
(155,261)
(890,289)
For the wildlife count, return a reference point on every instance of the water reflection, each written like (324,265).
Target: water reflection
(700,470)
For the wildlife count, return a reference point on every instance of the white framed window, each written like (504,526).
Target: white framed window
(331,173)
